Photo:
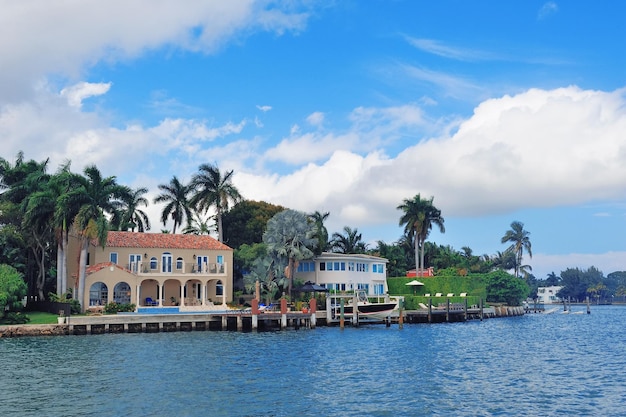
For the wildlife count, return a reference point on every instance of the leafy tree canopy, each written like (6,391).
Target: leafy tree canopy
(246,222)
(502,287)
(12,288)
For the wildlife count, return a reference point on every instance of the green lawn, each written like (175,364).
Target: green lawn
(40,317)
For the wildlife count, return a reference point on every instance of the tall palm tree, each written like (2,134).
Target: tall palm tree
(131,216)
(520,242)
(289,235)
(351,241)
(321,233)
(419,216)
(176,196)
(96,197)
(214,190)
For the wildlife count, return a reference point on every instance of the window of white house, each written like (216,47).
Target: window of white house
(379,289)
(153,263)
(219,288)
(322,266)
(350,266)
(379,268)
(179,263)
(306,267)
(113,257)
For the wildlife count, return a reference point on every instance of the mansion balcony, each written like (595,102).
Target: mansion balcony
(178,268)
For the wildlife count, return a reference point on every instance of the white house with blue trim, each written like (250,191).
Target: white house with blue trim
(346,272)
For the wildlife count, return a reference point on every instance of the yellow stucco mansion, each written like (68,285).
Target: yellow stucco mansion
(155,269)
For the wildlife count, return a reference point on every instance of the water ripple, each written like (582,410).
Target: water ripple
(534,365)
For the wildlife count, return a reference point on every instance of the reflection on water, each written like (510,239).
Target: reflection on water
(532,365)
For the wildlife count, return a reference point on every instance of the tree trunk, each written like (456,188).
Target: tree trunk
(82,270)
(422,257)
(417,256)
(220,235)
(59,267)
(64,264)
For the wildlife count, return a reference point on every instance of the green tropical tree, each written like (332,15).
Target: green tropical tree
(212,189)
(96,198)
(520,242)
(351,241)
(419,216)
(321,233)
(289,236)
(25,182)
(64,214)
(175,195)
(246,221)
(198,226)
(12,289)
(502,287)
(130,215)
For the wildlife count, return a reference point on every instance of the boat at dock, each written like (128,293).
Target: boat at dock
(369,310)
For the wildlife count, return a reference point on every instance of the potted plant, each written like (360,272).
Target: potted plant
(61,318)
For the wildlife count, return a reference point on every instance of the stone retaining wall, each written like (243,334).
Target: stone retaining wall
(34,330)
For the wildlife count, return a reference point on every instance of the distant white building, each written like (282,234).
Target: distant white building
(346,272)
(547,295)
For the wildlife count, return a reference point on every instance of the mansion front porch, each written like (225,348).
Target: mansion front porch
(109,282)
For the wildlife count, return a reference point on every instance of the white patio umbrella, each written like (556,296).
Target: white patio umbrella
(414,283)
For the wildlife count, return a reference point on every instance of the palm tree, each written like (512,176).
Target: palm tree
(64,215)
(418,218)
(321,233)
(131,216)
(214,190)
(96,196)
(178,208)
(198,226)
(289,235)
(504,260)
(349,242)
(520,242)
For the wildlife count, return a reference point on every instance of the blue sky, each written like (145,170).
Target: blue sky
(502,111)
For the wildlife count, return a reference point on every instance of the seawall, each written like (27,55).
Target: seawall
(33,330)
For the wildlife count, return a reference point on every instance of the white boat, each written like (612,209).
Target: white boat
(369,310)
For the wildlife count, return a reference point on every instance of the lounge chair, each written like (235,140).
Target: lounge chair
(427,295)
(438,294)
(424,306)
(463,294)
(450,294)
(151,302)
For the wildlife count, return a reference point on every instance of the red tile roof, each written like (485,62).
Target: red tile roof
(163,241)
(103,265)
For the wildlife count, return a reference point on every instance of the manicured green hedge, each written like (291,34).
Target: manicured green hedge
(473,285)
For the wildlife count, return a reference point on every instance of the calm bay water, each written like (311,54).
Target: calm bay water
(537,365)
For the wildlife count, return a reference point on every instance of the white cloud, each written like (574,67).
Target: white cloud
(536,149)
(75,94)
(435,47)
(40,37)
(264,109)
(316,118)
(547,9)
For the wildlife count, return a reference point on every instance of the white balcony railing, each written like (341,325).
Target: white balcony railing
(206,268)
